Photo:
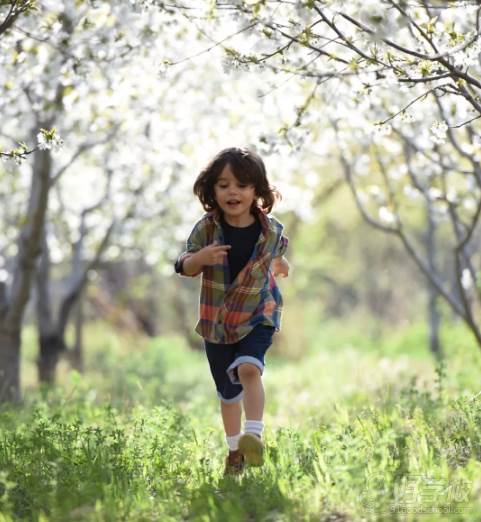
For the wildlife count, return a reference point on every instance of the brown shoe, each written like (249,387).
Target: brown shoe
(234,463)
(252,447)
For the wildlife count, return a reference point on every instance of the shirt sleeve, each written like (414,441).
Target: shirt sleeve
(194,243)
(281,246)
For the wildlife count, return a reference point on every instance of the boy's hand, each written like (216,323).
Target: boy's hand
(280,266)
(212,254)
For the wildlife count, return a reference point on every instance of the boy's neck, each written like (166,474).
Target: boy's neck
(240,221)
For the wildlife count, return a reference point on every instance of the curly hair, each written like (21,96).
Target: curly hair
(247,166)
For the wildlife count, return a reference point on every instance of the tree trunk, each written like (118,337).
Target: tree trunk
(51,345)
(434,322)
(182,312)
(76,356)
(29,249)
(9,366)
(434,319)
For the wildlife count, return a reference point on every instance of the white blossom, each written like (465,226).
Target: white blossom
(439,130)
(466,279)
(382,129)
(411,192)
(467,57)
(451,195)
(474,148)
(434,193)
(407,117)
(386,215)
(376,194)
(231,63)
(49,140)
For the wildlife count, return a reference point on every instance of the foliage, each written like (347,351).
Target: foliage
(363,442)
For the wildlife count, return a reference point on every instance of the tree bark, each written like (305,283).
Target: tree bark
(434,321)
(29,249)
(51,345)
(77,356)
(434,318)
(9,365)
(182,312)
(30,240)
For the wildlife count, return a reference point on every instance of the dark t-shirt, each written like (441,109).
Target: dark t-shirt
(242,241)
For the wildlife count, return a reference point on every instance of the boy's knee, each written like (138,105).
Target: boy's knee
(248,370)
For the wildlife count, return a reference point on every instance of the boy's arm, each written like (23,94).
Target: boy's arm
(184,265)
(191,263)
(280,266)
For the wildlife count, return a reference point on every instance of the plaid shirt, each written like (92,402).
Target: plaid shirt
(228,312)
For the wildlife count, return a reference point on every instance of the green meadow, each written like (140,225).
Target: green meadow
(356,429)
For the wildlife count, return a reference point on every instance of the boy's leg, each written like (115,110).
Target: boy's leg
(250,444)
(254,396)
(220,356)
(231,417)
(247,369)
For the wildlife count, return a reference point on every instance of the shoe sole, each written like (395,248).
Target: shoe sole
(252,449)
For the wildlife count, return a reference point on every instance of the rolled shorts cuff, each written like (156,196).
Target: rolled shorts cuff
(240,360)
(237,398)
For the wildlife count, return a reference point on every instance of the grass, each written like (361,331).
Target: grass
(352,433)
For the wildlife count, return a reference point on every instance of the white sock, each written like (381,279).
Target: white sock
(233,442)
(254,426)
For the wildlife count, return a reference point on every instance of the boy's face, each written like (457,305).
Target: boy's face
(233,197)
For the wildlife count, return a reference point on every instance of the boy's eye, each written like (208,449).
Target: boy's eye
(240,185)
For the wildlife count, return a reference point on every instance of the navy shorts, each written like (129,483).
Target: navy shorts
(225,358)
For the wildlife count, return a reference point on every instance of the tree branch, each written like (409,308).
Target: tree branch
(430,57)
(84,148)
(398,231)
(73,292)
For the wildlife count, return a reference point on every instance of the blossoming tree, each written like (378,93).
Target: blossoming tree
(48,70)
(395,86)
